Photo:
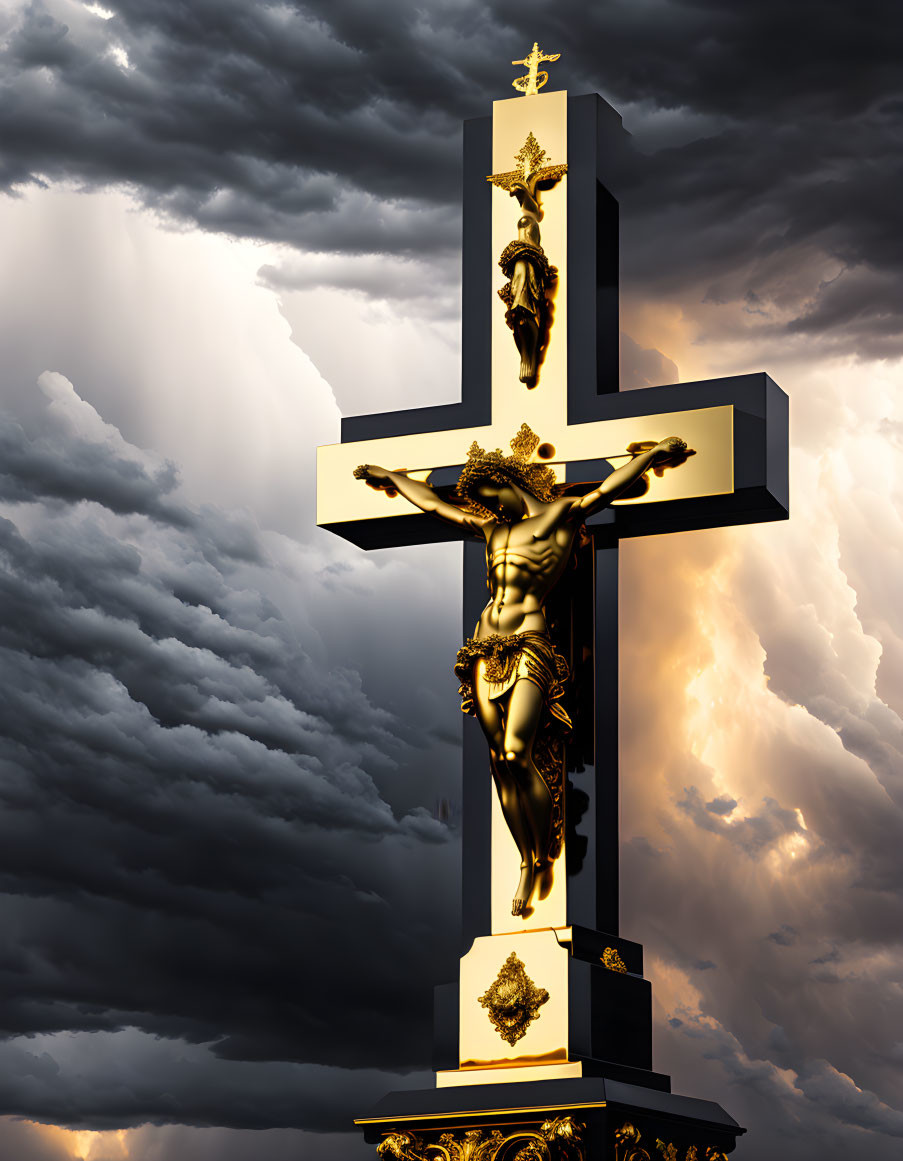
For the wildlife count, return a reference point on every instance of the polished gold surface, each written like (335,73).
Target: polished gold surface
(557,1139)
(540,1041)
(513,679)
(542,914)
(500,1111)
(512,1002)
(514,122)
(708,430)
(534,80)
(564,1070)
(613,961)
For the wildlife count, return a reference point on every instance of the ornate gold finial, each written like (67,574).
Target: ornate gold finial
(533,81)
(513,1000)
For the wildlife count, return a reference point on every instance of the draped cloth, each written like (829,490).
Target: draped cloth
(529,273)
(501,661)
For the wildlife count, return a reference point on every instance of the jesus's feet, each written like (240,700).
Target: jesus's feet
(528,371)
(524,890)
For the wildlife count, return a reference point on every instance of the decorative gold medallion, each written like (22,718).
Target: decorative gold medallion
(613,961)
(513,1000)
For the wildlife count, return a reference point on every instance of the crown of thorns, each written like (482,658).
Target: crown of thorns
(537,479)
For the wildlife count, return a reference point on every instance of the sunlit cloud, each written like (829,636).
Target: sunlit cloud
(87,1145)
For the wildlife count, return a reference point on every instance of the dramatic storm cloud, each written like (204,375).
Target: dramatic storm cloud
(207,819)
(179,751)
(775,132)
(229,742)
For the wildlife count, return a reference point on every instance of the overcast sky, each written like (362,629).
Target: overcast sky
(230,742)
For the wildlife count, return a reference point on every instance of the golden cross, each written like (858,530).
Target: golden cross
(533,81)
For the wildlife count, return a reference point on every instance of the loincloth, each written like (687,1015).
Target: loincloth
(525,289)
(500,662)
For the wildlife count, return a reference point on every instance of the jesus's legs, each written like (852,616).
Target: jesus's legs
(510,725)
(491,718)
(524,711)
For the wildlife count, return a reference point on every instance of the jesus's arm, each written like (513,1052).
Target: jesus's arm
(420,494)
(673,449)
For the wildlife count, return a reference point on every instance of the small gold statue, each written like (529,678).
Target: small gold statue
(530,276)
(512,677)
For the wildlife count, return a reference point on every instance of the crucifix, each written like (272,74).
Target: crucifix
(548,991)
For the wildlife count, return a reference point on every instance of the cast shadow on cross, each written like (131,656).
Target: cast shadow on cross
(513,678)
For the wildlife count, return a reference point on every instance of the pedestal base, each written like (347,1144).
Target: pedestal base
(585,1119)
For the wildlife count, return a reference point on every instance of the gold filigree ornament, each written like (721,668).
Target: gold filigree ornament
(530,168)
(627,1144)
(628,1148)
(537,479)
(613,961)
(473,1146)
(513,1001)
(560,1139)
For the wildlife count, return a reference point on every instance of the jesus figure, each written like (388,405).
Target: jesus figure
(512,677)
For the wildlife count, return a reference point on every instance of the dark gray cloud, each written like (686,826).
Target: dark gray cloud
(206,820)
(775,133)
(108,1079)
(35,1141)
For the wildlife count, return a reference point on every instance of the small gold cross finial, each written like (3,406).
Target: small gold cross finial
(533,81)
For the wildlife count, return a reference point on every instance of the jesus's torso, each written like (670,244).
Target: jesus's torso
(524,560)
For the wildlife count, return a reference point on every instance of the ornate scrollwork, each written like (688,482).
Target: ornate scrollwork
(613,961)
(560,1139)
(627,1144)
(473,1146)
(628,1148)
(513,1001)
